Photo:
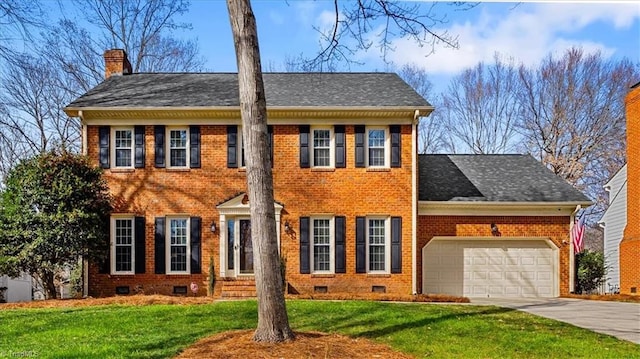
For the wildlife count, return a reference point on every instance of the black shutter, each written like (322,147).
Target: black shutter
(341,266)
(305,250)
(359,131)
(194,146)
(139,147)
(395,145)
(341,159)
(361,250)
(160,258)
(159,139)
(232,146)
(196,229)
(270,132)
(104,133)
(105,264)
(304,146)
(140,247)
(396,244)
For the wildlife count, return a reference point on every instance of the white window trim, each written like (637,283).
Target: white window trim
(387,146)
(167,241)
(168,147)
(112,146)
(332,243)
(112,246)
(387,244)
(332,150)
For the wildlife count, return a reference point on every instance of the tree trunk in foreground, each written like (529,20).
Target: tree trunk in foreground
(273,323)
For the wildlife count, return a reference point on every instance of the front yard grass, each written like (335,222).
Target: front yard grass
(422,330)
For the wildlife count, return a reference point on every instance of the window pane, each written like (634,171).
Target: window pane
(321,146)
(321,245)
(123,147)
(377,244)
(376,147)
(178,158)
(178,258)
(123,258)
(178,231)
(124,231)
(178,138)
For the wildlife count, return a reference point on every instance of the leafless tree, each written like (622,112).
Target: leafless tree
(430,133)
(480,108)
(273,322)
(573,117)
(17,20)
(365,24)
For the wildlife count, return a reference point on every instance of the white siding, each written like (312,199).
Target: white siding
(18,289)
(614,221)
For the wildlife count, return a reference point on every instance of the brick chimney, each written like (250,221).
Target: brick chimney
(630,245)
(116,63)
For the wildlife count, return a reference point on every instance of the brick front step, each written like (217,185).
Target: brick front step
(239,288)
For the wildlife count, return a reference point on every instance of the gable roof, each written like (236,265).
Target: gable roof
(206,90)
(492,178)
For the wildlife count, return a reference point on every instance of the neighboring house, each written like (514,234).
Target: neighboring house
(17,289)
(357,209)
(613,221)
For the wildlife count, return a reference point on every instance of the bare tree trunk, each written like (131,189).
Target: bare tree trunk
(273,322)
(48,282)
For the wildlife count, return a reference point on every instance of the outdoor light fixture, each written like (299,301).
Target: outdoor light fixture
(495,231)
(213,227)
(287,226)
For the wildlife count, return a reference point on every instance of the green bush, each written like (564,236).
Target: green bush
(591,271)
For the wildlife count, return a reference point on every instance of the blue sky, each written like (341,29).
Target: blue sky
(526,32)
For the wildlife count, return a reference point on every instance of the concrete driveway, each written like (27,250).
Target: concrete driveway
(621,320)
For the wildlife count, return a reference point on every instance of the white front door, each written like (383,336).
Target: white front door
(239,247)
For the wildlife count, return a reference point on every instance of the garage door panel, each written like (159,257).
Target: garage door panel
(499,268)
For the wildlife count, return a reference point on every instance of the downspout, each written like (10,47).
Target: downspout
(85,262)
(414,199)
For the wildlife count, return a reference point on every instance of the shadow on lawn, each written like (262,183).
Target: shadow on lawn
(371,322)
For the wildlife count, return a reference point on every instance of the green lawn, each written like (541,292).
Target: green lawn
(423,330)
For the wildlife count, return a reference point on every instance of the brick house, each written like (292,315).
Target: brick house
(630,244)
(357,209)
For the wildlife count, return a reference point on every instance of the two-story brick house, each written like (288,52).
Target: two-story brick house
(348,185)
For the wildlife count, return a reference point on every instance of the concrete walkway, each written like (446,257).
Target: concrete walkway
(619,319)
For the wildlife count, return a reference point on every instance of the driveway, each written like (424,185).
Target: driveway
(619,319)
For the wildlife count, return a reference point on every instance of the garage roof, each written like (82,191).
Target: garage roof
(491,178)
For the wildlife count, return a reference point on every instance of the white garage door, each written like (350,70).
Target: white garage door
(490,267)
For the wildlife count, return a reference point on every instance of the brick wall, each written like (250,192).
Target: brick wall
(350,192)
(555,228)
(630,245)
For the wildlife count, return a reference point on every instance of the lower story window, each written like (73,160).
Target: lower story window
(377,244)
(123,245)
(178,245)
(322,245)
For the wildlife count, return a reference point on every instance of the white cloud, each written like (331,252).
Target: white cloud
(527,33)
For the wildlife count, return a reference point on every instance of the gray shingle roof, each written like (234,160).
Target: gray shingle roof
(155,90)
(491,178)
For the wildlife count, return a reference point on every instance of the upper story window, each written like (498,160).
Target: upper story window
(322,153)
(122,147)
(377,147)
(178,147)
(236,148)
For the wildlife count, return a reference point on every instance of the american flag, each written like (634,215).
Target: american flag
(577,234)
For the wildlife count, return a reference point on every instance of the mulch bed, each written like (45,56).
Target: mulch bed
(239,344)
